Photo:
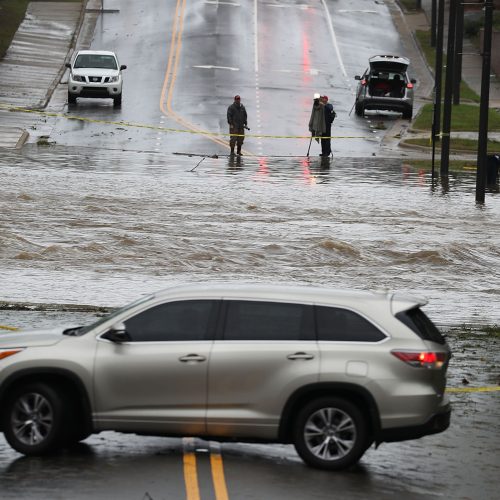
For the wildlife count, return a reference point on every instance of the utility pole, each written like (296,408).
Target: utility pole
(448,90)
(482,149)
(438,76)
(433,23)
(459,40)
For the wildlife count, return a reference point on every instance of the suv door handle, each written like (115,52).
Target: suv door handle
(300,355)
(192,357)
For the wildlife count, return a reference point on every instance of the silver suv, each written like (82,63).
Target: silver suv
(330,371)
(95,73)
(385,86)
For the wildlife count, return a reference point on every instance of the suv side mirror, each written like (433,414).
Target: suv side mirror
(117,333)
(68,65)
(357,77)
(123,66)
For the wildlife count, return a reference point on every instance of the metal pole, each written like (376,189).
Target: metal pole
(448,90)
(438,73)
(482,148)
(459,40)
(309,148)
(433,23)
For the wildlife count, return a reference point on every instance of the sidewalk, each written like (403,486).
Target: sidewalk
(34,63)
(472,62)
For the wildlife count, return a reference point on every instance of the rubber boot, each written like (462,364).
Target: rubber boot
(238,151)
(232,151)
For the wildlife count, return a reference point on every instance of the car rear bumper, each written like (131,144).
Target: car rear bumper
(387,104)
(438,422)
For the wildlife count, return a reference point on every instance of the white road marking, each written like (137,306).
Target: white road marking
(216,67)
(216,2)
(334,40)
(347,11)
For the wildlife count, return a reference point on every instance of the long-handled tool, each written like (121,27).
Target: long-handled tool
(309,148)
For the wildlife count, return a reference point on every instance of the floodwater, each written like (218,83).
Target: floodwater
(101,227)
(82,226)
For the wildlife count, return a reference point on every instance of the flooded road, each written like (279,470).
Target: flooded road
(86,226)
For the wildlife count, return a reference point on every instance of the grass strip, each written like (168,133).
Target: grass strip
(464,118)
(457,145)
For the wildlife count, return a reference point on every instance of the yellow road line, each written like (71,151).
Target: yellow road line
(171,76)
(190,470)
(218,472)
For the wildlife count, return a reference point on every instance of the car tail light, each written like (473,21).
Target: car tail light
(8,352)
(363,82)
(409,85)
(423,359)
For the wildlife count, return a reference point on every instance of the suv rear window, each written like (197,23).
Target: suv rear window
(341,325)
(418,321)
(248,320)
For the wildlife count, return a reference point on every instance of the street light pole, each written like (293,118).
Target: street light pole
(482,148)
(438,77)
(433,23)
(448,90)
(459,46)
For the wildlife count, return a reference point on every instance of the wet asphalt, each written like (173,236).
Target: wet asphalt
(442,245)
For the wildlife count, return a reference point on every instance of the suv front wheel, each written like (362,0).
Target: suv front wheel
(330,433)
(33,419)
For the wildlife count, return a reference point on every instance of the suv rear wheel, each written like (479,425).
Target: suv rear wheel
(408,113)
(330,433)
(34,418)
(359,109)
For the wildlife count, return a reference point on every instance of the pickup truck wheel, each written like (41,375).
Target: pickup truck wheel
(117,101)
(33,419)
(71,98)
(330,433)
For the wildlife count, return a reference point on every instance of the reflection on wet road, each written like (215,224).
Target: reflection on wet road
(102,227)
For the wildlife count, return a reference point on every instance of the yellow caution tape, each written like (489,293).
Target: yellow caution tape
(492,388)
(166,129)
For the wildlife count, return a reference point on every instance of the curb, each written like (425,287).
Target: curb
(43,103)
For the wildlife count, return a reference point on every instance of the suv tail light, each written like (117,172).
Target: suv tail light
(424,359)
(409,85)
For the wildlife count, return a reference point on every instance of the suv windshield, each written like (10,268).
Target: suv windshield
(417,320)
(95,61)
(83,330)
